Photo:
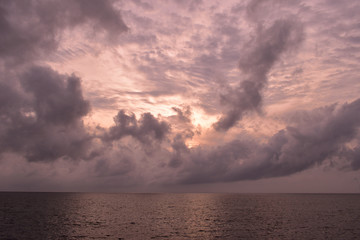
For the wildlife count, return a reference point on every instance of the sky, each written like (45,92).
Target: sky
(180,96)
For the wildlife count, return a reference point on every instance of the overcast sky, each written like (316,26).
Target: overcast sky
(180,95)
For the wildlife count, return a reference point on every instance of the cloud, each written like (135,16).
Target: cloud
(172,57)
(32,29)
(319,135)
(56,99)
(143,5)
(352,156)
(183,114)
(41,111)
(191,5)
(146,129)
(265,50)
(41,117)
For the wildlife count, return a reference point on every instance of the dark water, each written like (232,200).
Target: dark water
(178,216)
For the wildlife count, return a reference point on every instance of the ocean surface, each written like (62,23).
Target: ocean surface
(179,216)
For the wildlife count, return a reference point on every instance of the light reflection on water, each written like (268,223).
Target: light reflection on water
(178,216)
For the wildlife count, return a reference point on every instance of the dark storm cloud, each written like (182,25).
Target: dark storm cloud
(352,156)
(41,118)
(265,50)
(145,130)
(41,110)
(316,136)
(320,137)
(55,100)
(30,29)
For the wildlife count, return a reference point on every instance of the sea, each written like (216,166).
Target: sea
(178,216)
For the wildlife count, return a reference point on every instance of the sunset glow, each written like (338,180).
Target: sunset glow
(143,95)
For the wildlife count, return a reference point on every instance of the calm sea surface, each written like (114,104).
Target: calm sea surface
(179,216)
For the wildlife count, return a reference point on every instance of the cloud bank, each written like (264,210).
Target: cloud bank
(320,135)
